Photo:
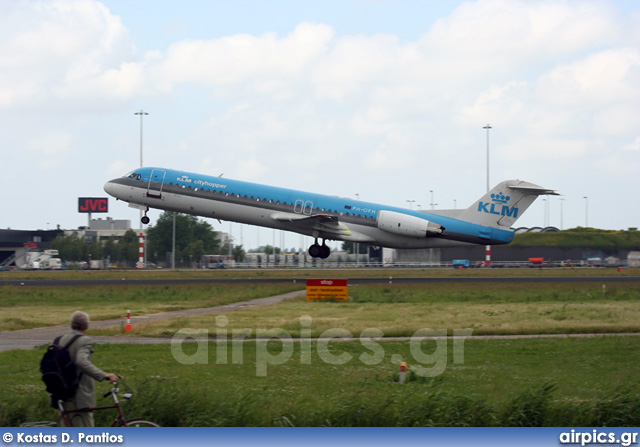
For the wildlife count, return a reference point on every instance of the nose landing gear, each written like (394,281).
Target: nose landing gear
(319,251)
(145,219)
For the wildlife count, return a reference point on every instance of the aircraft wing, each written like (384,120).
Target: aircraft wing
(328,226)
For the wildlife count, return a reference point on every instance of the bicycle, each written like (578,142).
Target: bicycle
(119,420)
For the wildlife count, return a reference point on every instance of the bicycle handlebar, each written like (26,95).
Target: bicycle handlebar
(114,388)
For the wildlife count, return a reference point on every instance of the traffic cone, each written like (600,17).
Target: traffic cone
(127,327)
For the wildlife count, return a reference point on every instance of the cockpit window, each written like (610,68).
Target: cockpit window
(133,175)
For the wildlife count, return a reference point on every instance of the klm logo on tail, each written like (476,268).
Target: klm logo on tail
(498,206)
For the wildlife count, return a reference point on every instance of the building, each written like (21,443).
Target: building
(15,244)
(100,229)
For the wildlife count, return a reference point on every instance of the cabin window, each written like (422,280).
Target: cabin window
(308,207)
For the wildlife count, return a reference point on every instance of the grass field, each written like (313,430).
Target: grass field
(544,381)
(29,307)
(402,309)
(551,382)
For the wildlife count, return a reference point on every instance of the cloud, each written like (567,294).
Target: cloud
(56,50)
(596,80)
(558,79)
(50,149)
(634,146)
(237,58)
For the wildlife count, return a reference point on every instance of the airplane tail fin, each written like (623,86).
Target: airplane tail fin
(504,204)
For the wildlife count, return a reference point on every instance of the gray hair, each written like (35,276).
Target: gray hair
(79,321)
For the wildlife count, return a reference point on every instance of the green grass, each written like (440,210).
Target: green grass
(29,307)
(507,382)
(403,309)
(550,382)
(610,241)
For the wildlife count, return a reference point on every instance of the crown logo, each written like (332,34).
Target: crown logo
(500,198)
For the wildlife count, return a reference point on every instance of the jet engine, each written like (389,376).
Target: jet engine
(406,225)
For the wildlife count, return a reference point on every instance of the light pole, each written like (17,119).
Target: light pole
(547,211)
(488,127)
(230,238)
(488,247)
(586,211)
(432,201)
(173,244)
(410,204)
(142,113)
(357,250)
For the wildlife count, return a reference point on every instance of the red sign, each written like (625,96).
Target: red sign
(327,282)
(327,289)
(93,205)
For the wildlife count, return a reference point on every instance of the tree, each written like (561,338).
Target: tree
(70,247)
(111,249)
(269,250)
(129,247)
(193,238)
(238,253)
(195,250)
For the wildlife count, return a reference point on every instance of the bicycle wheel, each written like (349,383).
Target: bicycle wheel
(139,423)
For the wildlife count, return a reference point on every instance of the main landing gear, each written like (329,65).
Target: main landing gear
(319,251)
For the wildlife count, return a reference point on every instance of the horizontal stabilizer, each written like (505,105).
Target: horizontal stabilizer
(530,188)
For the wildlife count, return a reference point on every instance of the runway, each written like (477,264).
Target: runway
(381,280)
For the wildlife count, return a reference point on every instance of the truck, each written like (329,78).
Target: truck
(460,263)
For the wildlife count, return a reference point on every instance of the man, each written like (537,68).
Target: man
(80,352)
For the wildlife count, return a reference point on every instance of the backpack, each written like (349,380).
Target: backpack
(59,371)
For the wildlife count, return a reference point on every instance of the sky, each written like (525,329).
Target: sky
(382,100)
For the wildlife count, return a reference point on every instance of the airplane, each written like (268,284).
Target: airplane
(488,221)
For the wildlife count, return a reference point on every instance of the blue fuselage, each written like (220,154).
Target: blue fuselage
(312,214)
